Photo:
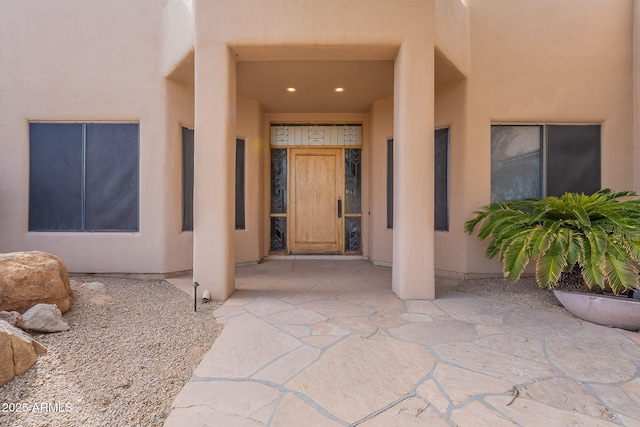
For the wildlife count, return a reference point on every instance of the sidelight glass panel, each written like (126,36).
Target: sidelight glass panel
(515,162)
(278,234)
(353,180)
(353,234)
(278,181)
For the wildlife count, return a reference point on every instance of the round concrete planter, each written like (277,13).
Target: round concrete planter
(606,310)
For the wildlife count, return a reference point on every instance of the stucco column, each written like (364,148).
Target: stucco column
(215,121)
(413,192)
(636,95)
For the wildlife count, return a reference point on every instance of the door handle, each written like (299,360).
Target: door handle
(339,208)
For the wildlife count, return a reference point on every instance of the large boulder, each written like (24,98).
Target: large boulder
(17,352)
(30,278)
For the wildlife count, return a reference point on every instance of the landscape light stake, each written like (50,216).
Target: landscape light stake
(195,296)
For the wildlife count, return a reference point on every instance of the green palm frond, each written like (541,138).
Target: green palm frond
(599,232)
(573,248)
(550,265)
(591,263)
(621,272)
(515,255)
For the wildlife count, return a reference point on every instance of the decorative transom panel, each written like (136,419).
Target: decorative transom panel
(316,135)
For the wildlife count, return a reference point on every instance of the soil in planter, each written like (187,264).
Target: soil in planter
(573,281)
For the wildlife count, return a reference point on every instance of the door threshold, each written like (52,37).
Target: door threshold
(319,257)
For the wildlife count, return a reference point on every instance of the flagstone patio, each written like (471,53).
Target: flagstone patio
(327,343)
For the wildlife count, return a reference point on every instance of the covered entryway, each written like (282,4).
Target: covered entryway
(242,87)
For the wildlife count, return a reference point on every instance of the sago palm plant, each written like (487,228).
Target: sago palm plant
(600,233)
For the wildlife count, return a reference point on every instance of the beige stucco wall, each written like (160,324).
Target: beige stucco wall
(451,112)
(178,33)
(180,112)
(636,95)
(547,61)
(380,237)
(73,60)
(452,33)
(249,243)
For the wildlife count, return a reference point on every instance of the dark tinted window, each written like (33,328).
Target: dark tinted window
(390,183)
(441,180)
(111,188)
(240,184)
(187,179)
(573,159)
(83,177)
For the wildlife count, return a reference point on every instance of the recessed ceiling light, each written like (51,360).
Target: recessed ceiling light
(339,89)
(291,89)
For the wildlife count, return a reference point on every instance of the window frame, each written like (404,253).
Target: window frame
(544,150)
(81,213)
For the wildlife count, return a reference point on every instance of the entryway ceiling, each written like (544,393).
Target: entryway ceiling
(315,83)
(365,73)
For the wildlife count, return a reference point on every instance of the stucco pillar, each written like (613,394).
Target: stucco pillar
(636,95)
(413,192)
(215,121)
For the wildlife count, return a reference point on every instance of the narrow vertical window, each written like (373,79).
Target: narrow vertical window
(353,200)
(441,179)
(187,179)
(390,183)
(240,184)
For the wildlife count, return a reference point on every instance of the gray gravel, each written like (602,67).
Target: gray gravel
(524,292)
(131,348)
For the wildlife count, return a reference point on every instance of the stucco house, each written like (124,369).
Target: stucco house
(168,136)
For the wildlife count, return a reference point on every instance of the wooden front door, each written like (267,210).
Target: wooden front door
(316,187)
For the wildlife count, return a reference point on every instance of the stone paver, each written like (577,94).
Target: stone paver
(411,412)
(435,332)
(327,343)
(261,343)
(293,409)
(565,394)
(335,382)
(527,412)
(430,392)
(289,365)
(462,384)
(477,415)
(223,403)
(494,363)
